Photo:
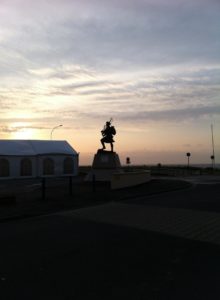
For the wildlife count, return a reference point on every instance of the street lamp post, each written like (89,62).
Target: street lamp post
(213,162)
(213,149)
(51,133)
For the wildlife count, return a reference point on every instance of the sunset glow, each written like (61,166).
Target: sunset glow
(152,66)
(22,134)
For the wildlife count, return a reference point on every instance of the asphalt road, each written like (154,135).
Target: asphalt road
(62,256)
(204,195)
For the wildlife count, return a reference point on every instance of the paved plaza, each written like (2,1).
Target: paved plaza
(156,246)
(190,224)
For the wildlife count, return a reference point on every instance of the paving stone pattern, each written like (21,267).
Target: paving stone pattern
(195,225)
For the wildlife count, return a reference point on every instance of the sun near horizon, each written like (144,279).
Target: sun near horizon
(151,66)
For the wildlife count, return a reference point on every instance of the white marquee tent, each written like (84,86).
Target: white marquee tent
(37,158)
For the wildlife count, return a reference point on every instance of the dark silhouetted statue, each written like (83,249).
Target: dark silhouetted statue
(108,132)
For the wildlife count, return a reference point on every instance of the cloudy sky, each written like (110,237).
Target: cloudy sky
(151,65)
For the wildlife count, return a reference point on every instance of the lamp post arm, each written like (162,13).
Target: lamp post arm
(51,133)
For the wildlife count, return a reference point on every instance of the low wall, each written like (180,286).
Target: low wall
(122,180)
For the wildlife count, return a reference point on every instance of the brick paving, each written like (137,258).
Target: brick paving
(154,243)
(195,225)
(178,221)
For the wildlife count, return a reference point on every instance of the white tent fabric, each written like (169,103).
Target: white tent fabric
(35,147)
(37,158)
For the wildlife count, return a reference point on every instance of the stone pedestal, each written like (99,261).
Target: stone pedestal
(106,160)
(105,164)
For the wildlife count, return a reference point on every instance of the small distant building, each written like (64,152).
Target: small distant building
(37,158)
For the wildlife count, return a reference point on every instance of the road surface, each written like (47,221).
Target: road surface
(146,248)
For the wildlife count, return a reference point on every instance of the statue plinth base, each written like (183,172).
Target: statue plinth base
(105,164)
(106,160)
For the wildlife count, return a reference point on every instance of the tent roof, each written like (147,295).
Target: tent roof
(35,147)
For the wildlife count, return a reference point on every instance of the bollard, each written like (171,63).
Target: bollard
(43,189)
(70,185)
(93,183)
